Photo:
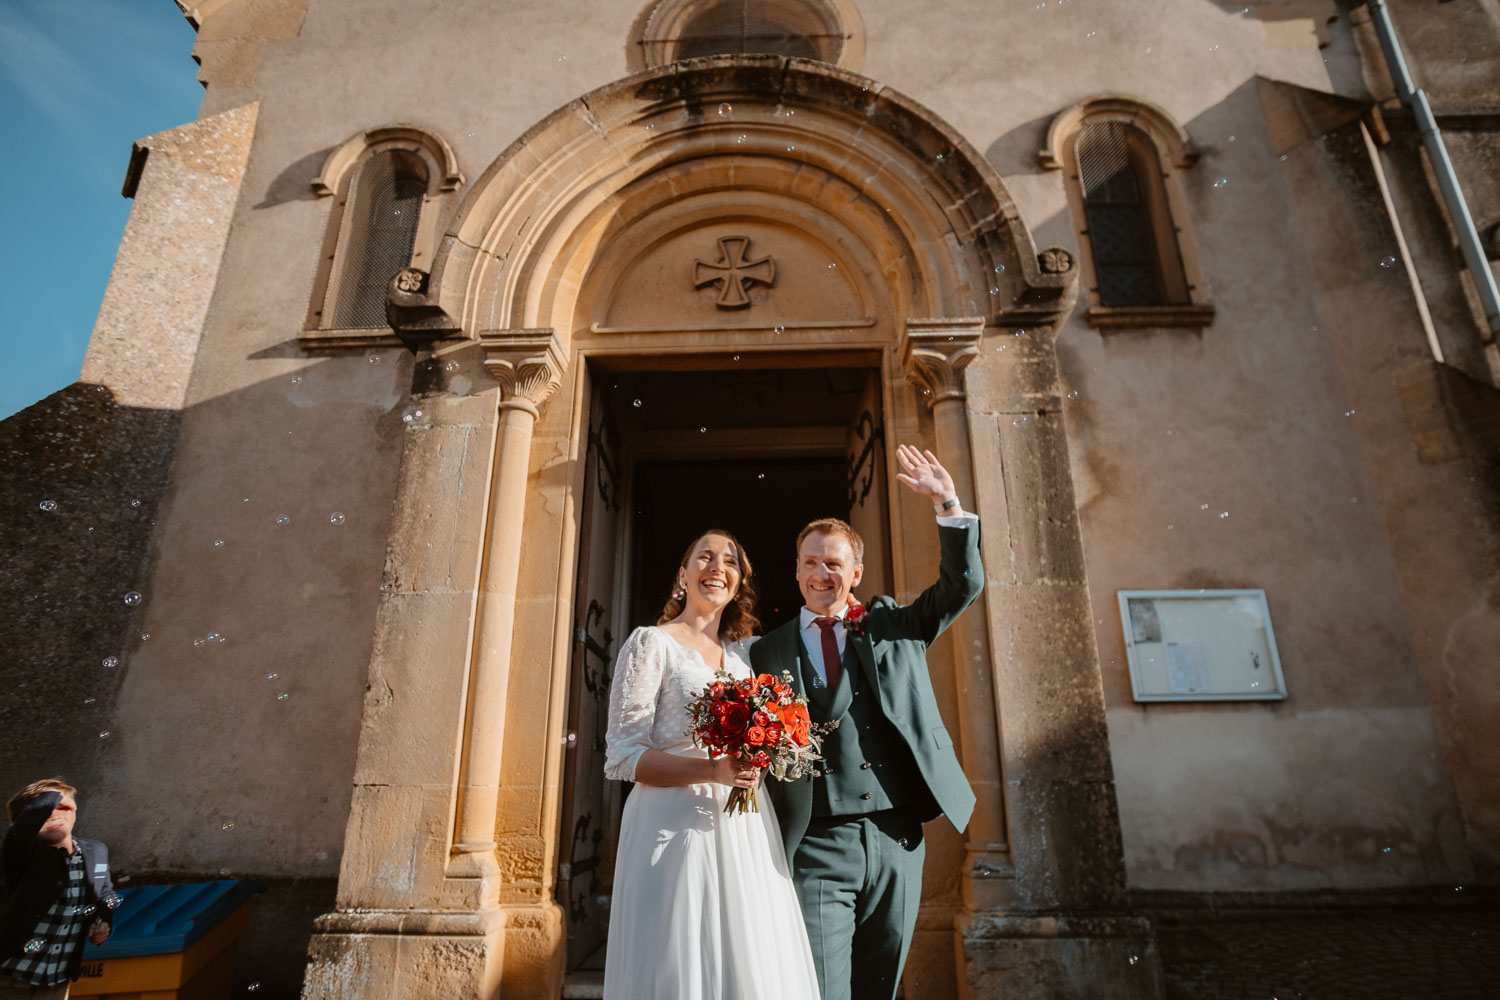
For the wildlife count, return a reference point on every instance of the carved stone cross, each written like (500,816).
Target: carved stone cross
(733,272)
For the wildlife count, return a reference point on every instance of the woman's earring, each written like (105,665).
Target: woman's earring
(680,593)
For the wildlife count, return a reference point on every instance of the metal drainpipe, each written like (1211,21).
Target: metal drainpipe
(1432,139)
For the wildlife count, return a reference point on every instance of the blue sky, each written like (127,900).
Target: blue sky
(80,80)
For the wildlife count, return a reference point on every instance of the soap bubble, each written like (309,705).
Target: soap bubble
(253,987)
(145,636)
(411,414)
(739,138)
(321,856)
(214,637)
(228,825)
(282,519)
(451,366)
(1203,506)
(1134,959)
(104,735)
(1221,182)
(218,543)
(636,404)
(48,505)
(135,503)
(111,661)
(778,329)
(1073,394)
(223,873)
(570,741)
(1223,515)
(132,598)
(725,110)
(35,945)
(1348,413)
(272,676)
(283,696)
(373,359)
(703,430)
(335,518)
(1387,262)
(199,642)
(88,701)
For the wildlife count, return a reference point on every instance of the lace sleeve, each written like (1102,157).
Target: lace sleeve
(632,704)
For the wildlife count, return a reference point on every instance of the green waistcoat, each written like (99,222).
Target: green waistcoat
(866,762)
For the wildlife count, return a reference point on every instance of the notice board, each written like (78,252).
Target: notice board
(1201,645)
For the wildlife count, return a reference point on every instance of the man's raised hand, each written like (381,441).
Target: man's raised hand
(924,474)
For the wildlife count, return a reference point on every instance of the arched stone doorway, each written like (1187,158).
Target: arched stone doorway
(741,212)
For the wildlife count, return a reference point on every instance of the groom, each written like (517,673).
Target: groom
(854,837)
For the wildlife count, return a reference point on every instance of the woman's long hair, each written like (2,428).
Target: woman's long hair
(739,618)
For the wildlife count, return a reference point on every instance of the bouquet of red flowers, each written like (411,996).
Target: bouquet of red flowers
(761,721)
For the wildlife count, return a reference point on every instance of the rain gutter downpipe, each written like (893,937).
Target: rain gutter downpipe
(1442,166)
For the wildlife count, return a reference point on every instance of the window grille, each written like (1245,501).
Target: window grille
(1127,263)
(735,27)
(384,205)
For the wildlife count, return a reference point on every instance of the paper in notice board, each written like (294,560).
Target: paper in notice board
(1185,670)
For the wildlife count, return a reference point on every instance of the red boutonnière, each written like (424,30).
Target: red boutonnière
(854,618)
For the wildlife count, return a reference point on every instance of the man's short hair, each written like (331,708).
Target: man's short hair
(33,791)
(833,526)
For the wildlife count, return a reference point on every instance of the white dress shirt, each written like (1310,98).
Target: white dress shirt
(812,633)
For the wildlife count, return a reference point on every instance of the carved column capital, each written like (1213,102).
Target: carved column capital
(935,352)
(528,364)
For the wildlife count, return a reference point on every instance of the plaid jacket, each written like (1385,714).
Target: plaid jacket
(37,879)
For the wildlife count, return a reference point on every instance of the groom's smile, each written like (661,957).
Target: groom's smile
(827,572)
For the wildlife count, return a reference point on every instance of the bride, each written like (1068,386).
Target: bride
(704,907)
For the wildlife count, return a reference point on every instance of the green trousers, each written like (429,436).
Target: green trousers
(860,882)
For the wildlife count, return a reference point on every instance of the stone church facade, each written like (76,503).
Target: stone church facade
(425,339)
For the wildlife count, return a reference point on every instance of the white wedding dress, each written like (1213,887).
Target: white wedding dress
(704,907)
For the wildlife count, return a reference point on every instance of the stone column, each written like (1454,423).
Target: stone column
(528,364)
(934,354)
(1065,929)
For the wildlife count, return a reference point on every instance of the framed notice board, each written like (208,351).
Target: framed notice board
(1201,645)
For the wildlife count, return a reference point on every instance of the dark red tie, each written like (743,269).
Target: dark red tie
(830,651)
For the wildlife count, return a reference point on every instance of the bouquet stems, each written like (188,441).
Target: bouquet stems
(742,800)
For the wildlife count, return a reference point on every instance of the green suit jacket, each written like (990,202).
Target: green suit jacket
(892,652)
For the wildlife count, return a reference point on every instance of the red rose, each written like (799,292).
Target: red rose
(795,718)
(761,759)
(773,734)
(719,708)
(761,719)
(735,721)
(755,735)
(854,618)
(716,689)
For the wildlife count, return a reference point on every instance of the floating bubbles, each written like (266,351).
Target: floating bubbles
(253,987)
(562,58)
(1018,423)
(199,642)
(636,404)
(1203,506)
(411,414)
(735,358)
(939,158)
(218,543)
(570,741)
(1387,262)
(373,359)
(791,149)
(111,661)
(145,636)
(778,329)
(1073,394)
(1221,182)
(132,598)
(1091,34)
(228,825)
(451,366)
(104,734)
(1223,515)
(48,505)
(902,843)
(703,430)
(335,518)
(283,696)
(1354,499)
(296,380)
(1348,413)
(88,701)
(223,873)
(272,676)
(213,637)
(135,503)
(321,856)
(282,519)
(760,475)
(832,265)
(35,945)
(725,110)
(739,138)
(1133,959)
(1231,138)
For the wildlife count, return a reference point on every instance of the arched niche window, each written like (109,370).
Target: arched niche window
(1121,162)
(388,187)
(667,31)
